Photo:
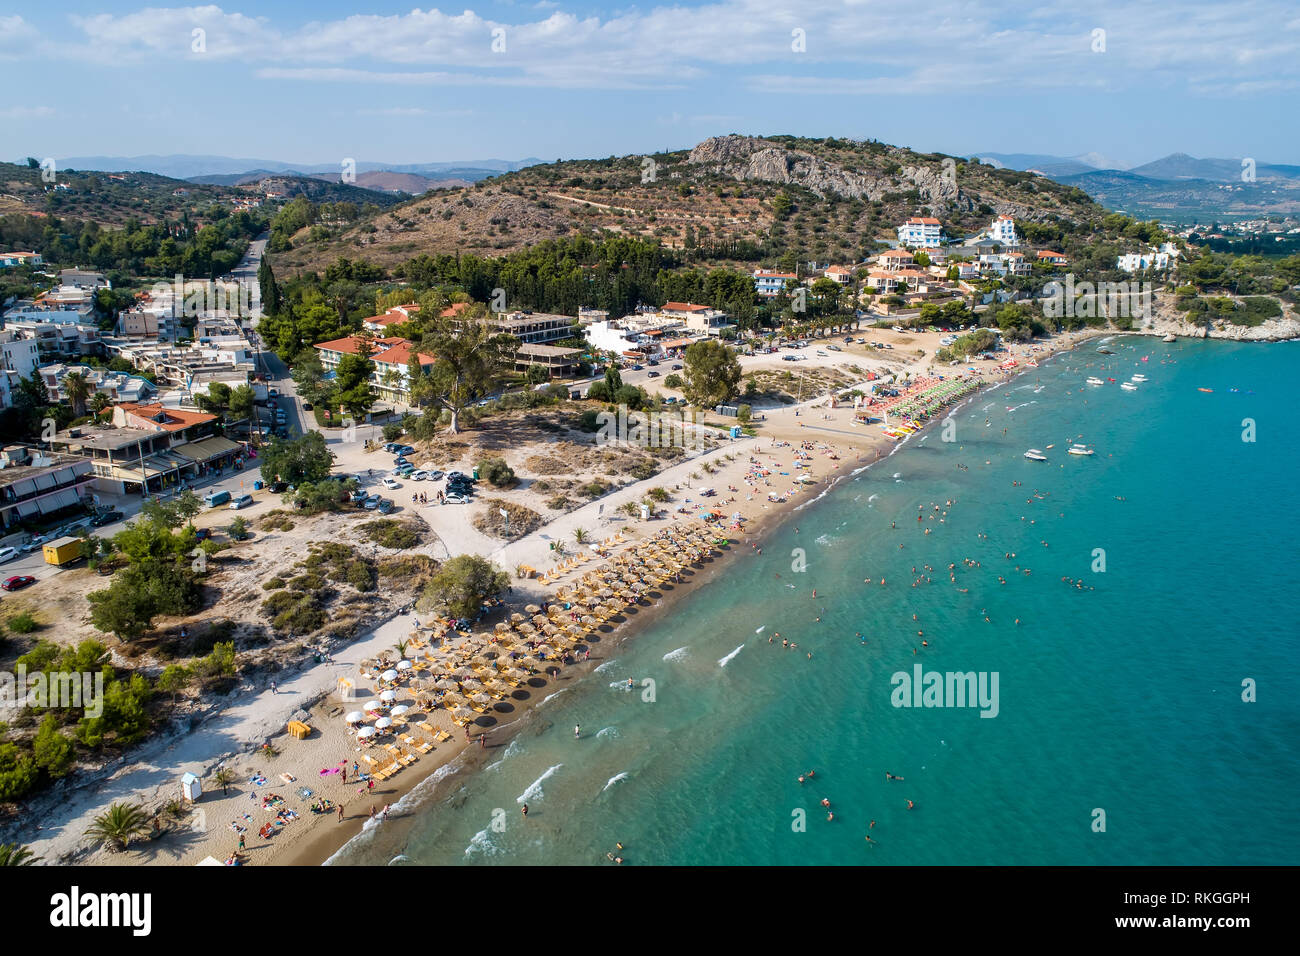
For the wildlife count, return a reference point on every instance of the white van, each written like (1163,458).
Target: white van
(242,501)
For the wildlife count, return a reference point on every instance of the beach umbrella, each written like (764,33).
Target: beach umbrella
(372,705)
(502,627)
(532,609)
(383,723)
(445,684)
(462,713)
(400,709)
(388,696)
(389,676)
(516,618)
(365,732)
(481,698)
(404,665)
(355,717)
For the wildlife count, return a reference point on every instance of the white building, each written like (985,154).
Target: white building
(20,355)
(1158,259)
(921,232)
(1003,231)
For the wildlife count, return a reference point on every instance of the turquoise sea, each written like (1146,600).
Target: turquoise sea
(1124,697)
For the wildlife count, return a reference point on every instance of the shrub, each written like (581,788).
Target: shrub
(273,583)
(390,533)
(238,529)
(658,494)
(23,623)
(497,473)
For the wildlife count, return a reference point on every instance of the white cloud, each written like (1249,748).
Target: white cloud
(855,48)
(26,112)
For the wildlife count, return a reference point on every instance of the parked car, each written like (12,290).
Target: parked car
(419,474)
(405,450)
(435,475)
(391,447)
(385,505)
(653,362)
(273,392)
(243,501)
(18,582)
(8,554)
(455,498)
(406,470)
(677,367)
(35,544)
(390,482)
(652,374)
(637,368)
(307,406)
(106,517)
(359,496)
(458,476)
(371,502)
(835,348)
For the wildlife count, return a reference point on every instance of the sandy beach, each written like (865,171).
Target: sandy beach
(284,786)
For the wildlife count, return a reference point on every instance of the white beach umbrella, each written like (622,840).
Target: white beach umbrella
(404,665)
(388,675)
(355,717)
(383,723)
(367,732)
(388,696)
(400,709)
(372,705)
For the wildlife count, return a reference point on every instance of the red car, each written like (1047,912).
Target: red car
(17,582)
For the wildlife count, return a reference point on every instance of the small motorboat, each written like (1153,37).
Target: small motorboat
(1128,386)
(1035,455)
(1138,378)
(1080,450)
(1093,380)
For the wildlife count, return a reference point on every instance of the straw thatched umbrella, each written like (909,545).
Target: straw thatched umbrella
(533,609)
(463,713)
(516,618)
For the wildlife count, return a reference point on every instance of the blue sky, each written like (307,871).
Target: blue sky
(318,82)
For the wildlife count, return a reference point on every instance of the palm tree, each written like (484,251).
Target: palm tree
(98,402)
(12,854)
(580,535)
(118,825)
(79,390)
(400,646)
(223,778)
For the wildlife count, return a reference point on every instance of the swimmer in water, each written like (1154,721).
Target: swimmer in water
(910,805)
(826,803)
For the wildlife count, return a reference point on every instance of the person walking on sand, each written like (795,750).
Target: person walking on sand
(273,688)
(340,813)
(577,731)
(241,841)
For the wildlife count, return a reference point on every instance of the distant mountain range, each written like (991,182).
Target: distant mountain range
(1175,188)
(231,171)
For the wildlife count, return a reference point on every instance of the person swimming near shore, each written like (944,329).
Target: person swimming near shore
(826,803)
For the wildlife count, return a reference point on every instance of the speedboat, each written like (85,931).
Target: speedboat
(1093,380)
(1128,386)
(1138,378)
(1035,455)
(1080,450)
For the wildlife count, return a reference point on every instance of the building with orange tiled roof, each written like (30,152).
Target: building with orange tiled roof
(921,231)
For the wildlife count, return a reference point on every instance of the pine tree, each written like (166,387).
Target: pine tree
(269,288)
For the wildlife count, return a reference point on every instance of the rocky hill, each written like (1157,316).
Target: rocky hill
(730,197)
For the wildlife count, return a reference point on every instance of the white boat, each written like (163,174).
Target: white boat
(1170,338)
(1138,378)
(1093,380)
(1080,450)
(1035,455)
(1128,386)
